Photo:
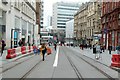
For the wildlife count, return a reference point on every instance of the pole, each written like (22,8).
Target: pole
(11,37)
(69,40)
(33,35)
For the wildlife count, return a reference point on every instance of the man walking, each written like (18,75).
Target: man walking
(55,46)
(110,49)
(3,46)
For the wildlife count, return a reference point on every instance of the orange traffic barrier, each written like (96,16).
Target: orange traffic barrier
(49,51)
(11,53)
(115,60)
(23,50)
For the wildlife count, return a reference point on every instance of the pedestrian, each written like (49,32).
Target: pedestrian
(20,43)
(110,48)
(3,46)
(43,50)
(55,46)
(118,49)
(0,46)
(98,51)
(102,48)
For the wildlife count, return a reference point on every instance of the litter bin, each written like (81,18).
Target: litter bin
(94,50)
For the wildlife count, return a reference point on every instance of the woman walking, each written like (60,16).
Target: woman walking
(43,50)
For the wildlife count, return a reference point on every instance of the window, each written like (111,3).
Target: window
(113,38)
(60,26)
(61,23)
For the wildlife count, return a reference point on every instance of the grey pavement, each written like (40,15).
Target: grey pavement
(64,69)
(105,56)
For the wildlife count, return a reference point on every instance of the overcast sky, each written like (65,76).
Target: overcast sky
(48,6)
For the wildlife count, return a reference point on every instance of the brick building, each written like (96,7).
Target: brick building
(110,24)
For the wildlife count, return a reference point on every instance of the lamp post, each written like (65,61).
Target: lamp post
(12,35)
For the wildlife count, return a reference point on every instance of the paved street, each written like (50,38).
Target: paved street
(70,63)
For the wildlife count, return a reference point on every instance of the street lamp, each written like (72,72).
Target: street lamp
(12,35)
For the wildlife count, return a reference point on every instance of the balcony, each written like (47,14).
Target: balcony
(5,2)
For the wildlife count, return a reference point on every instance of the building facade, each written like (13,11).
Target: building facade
(82,23)
(42,14)
(18,21)
(110,24)
(94,22)
(69,31)
(63,12)
(87,23)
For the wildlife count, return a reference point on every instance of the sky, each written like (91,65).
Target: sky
(48,7)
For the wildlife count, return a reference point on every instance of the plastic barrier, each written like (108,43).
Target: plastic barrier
(23,50)
(115,60)
(49,51)
(29,48)
(11,53)
(18,51)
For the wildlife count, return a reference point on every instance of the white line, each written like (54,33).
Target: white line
(56,58)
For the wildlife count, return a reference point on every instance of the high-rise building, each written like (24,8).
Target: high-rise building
(63,12)
(49,21)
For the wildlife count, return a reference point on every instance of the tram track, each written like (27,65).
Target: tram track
(79,75)
(28,72)
(101,71)
(16,59)
(75,69)
(15,64)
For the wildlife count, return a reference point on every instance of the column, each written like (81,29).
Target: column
(26,41)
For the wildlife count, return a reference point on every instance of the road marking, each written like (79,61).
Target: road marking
(56,58)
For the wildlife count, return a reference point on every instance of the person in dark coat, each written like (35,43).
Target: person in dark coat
(110,49)
(55,46)
(3,46)
(43,49)
(20,43)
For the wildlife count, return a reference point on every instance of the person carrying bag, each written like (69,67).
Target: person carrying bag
(43,50)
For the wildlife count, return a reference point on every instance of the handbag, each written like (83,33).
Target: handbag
(49,51)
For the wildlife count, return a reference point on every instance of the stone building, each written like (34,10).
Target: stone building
(93,22)
(80,19)
(87,27)
(110,24)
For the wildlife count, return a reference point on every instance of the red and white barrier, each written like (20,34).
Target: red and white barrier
(11,53)
(23,50)
(14,52)
(115,60)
